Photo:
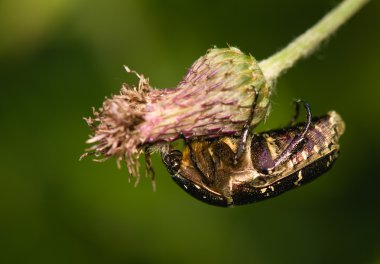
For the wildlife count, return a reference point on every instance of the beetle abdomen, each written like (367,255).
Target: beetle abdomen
(246,193)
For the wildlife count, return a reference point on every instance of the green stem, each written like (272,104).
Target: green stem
(305,44)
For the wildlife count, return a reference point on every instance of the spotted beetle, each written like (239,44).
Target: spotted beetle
(239,170)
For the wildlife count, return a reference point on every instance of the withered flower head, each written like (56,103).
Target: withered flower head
(213,99)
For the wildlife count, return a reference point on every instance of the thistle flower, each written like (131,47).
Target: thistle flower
(213,99)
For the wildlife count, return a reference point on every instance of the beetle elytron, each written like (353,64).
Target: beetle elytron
(238,170)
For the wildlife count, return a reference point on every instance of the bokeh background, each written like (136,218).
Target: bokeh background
(58,58)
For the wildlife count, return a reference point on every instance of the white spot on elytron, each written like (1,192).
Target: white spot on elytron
(316,149)
(263,190)
(272,188)
(299,178)
(197,186)
(328,164)
(185,186)
(304,155)
(204,197)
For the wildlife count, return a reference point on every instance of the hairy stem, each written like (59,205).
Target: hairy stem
(305,44)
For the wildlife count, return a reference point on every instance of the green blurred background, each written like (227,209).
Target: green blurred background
(58,58)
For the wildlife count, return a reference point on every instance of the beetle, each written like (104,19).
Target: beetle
(243,169)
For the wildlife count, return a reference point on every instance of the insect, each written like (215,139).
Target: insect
(243,169)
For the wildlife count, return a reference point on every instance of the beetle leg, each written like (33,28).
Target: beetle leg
(188,144)
(297,140)
(148,167)
(202,161)
(245,131)
(192,152)
(297,104)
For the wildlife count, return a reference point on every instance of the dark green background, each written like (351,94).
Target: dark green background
(58,58)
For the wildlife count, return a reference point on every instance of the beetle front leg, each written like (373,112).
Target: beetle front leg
(297,140)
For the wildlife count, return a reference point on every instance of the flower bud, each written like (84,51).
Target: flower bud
(212,100)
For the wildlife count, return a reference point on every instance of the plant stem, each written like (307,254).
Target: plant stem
(305,44)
